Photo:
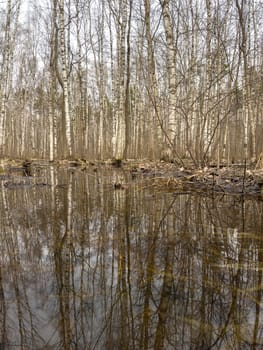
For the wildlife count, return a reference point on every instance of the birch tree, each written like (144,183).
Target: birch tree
(243,12)
(123,78)
(81,72)
(119,122)
(171,71)
(52,84)
(5,71)
(153,117)
(65,77)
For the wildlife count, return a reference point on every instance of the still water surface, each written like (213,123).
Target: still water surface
(87,266)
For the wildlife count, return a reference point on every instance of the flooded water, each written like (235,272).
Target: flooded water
(85,265)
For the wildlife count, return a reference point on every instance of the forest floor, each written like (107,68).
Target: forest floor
(236,179)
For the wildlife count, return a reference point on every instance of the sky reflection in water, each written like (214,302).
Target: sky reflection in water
(87,266)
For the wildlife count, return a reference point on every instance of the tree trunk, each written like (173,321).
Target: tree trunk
(119,124)
(171,71)
(243,13)
(5,73)
(152,83)
(65,79)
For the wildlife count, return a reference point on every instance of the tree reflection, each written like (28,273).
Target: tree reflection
(2,313)
(88,266)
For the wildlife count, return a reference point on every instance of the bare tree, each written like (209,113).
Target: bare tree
(121,79)
(243,11)
(119,122)
(171,71)
(65,77)
(5,72)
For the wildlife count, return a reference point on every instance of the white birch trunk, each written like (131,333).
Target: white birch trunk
(82,80)
(64,75)
(51,124)
(101,83)
(52,87)
(5,71)
(154,113)
(243,17)
(208,87)
(119,125)
(171,70)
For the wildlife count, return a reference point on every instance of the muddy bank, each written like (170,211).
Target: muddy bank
(236,179)
(230,180)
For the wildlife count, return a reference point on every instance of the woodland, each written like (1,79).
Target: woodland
(174,80)
(131,174)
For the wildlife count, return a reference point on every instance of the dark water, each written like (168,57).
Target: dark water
(87,266)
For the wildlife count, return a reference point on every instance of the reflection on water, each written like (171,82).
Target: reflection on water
(86,266)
